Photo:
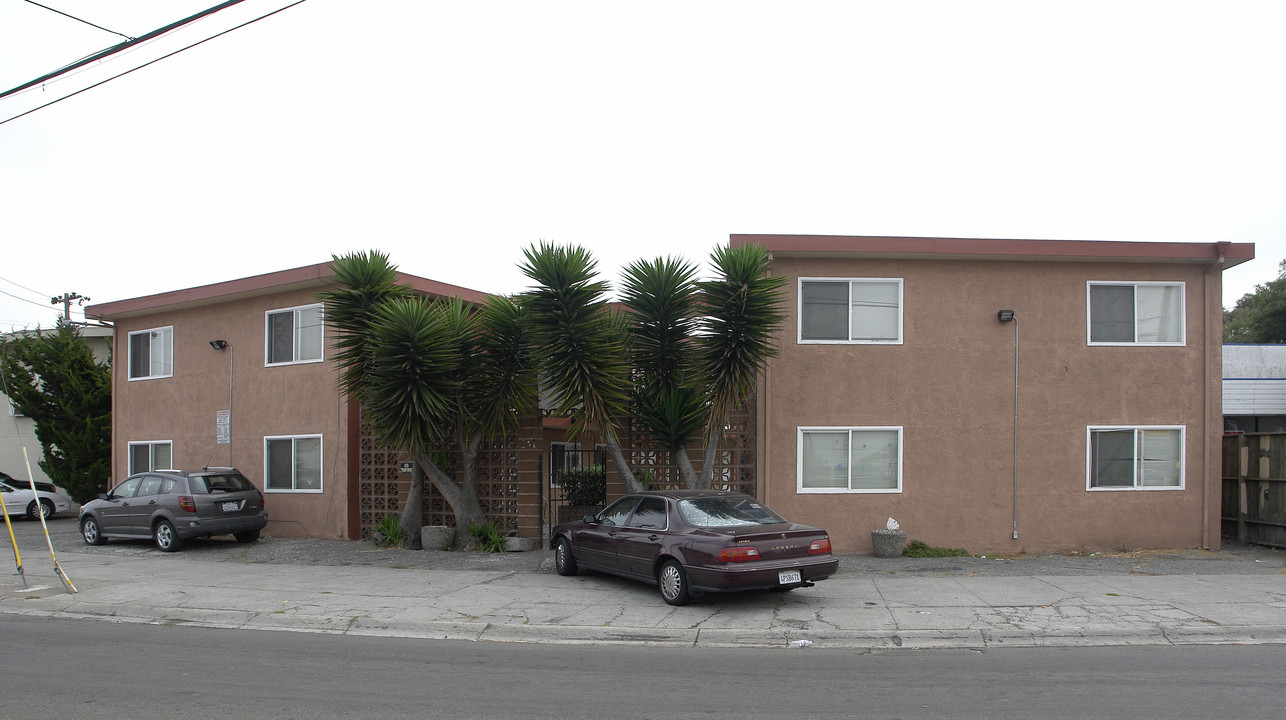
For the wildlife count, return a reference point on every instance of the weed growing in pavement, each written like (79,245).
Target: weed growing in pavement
(921,549)
(488,537)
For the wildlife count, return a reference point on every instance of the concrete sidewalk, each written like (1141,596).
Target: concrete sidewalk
(357,589)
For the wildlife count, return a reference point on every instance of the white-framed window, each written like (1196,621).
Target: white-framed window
(151,353)
(850,310)
(292,463)
(149,455)
(1135,313)
(850,460)
(293,335)
(1144,457)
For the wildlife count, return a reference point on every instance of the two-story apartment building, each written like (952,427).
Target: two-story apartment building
(997,395)
(237,374)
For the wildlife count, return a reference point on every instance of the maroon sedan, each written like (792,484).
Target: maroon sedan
(693,541)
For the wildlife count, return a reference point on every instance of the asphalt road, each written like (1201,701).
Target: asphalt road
(107,671)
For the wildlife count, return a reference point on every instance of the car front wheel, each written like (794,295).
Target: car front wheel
(167,540)
(90,532)
(563,560)
(673,582)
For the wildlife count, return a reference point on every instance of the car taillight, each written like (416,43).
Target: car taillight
(738,554)
(820,547)
(186,503)
(260,497)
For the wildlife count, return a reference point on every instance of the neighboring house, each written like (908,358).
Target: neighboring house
(17,431)
(1254,388)
(239,374)
(1090,420)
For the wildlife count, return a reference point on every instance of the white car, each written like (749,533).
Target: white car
(18,500)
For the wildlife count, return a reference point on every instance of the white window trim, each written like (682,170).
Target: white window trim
(129,354)
(130,455)
(294,342)
(321,455)
(1183,314)
(799,308)
(799,460)
(1089,459)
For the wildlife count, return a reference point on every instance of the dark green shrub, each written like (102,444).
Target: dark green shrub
(585,485)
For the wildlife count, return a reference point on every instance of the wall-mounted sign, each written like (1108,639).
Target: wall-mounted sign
(406,466)
(223,427)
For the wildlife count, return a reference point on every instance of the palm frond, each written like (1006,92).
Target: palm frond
(363,281)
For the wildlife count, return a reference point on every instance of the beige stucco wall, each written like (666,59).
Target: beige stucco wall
(950,386)
(298,399)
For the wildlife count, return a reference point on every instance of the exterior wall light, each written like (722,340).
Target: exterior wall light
(219,344)
(1005,316)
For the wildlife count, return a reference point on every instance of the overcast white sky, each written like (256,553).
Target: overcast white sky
(453,135)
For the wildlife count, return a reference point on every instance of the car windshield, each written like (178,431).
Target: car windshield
(731,511)
(219,483)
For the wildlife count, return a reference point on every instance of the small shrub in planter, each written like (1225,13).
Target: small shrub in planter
(585,485)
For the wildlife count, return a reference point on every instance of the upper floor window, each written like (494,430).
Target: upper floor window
(1144,313)
(1132,458)
(850,459)
(858,310)
(146,456)
(151,353)
(294,335)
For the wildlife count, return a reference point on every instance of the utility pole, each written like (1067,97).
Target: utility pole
(66,302)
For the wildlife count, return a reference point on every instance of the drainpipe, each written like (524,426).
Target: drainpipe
(1005,316)
(1222,249)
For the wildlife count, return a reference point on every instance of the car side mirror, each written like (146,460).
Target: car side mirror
(589,520)
(104,496)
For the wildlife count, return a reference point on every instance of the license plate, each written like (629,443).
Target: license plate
(233,507)
(787,577)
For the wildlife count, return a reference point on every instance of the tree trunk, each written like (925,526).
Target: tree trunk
(713,435)
(687,473)
(467,509)
(413,514)
(632,485)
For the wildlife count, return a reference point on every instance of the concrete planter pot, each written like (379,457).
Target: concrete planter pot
(888,543)
(436,537)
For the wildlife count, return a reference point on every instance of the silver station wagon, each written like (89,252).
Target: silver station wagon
(171,506)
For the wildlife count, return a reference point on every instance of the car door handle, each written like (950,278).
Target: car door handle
(653,537)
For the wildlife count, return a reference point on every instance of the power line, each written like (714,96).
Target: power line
(119,47)
(140,67)
(15,297)
(73,17)
(24,287)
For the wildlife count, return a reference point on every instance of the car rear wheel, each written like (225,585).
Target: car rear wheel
(35,510)
(90,532)
(563,560)
(673,582)
(167,540)
(247,536)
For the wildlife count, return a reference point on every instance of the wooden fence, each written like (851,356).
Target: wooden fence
(1254,488)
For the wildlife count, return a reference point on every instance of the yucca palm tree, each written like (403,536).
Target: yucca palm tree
(740,311)
(661,296)
(429,373)
(581,344)
(690,352)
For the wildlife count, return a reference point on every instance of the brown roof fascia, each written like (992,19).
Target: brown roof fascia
(998,249)
(317,276)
